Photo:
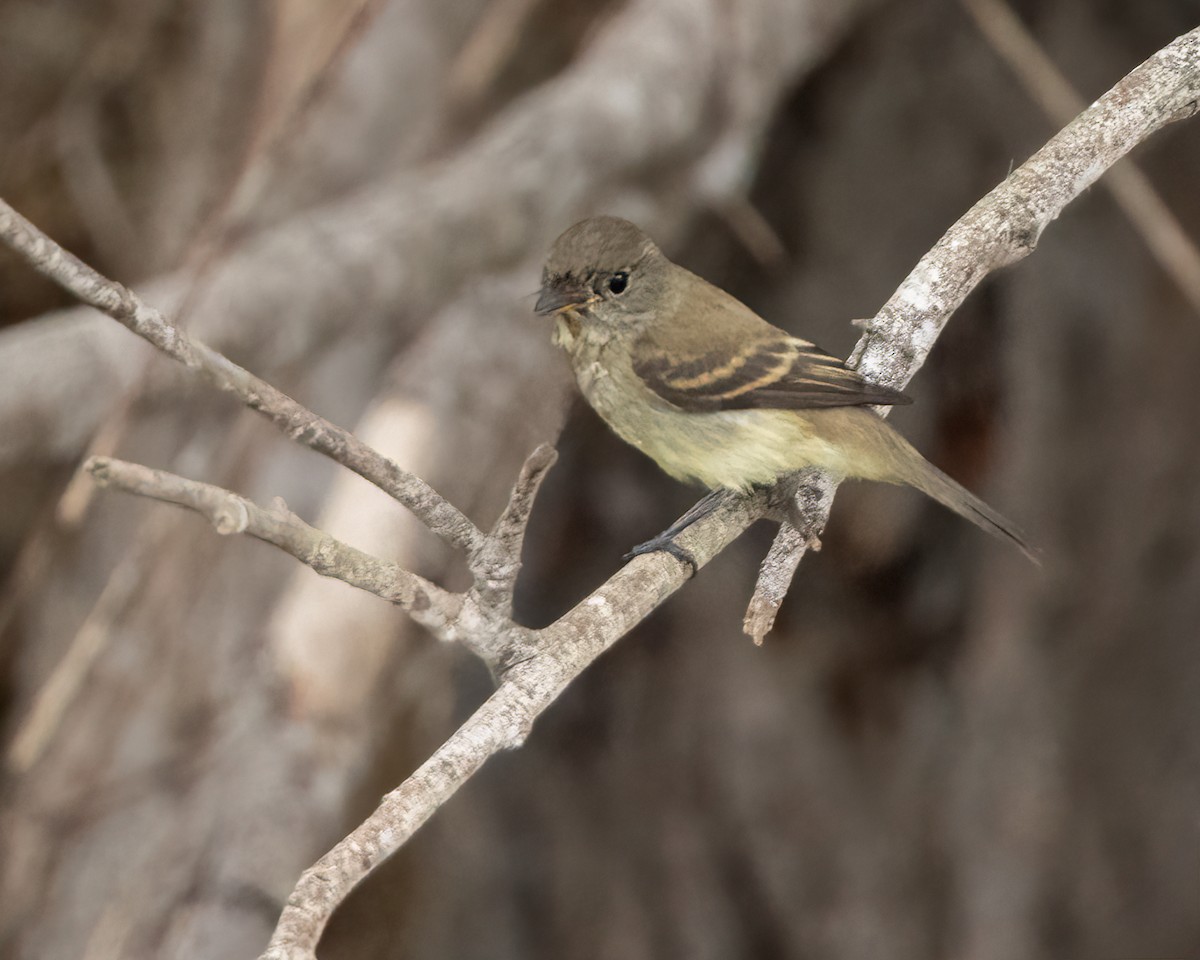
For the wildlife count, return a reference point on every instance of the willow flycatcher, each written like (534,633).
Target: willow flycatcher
(712,392)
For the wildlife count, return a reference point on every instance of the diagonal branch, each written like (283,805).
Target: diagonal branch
(1146,210)
(298,422)
(564,650)
(498,561)
(999,230)
(428,603)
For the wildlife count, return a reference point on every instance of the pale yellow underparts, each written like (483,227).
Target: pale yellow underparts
(736,449)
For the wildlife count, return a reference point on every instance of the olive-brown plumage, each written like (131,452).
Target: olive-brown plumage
(711,391)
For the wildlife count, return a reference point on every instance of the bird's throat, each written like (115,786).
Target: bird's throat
(566,329)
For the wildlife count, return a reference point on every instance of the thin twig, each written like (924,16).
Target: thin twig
(487,49)
(799,531)
(428,603)
(499,562)
(69,676)
(299,423)
(753,231)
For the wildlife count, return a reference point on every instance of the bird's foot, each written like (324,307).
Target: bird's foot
(664,542)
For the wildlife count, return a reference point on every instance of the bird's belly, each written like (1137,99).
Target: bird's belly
(740,448)
(737,449)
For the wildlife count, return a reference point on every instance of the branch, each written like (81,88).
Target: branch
(563,650)
(500,559)
(480,620)
(428,604)
(809,497)
(999,230)
(654,78)
(1144,207)
(299,423)
(497,564)
(535,666)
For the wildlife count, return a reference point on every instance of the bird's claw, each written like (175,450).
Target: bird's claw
(665,544)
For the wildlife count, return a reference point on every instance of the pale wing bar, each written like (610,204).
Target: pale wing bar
(786,373)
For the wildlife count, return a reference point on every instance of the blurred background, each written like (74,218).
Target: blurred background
(939,753)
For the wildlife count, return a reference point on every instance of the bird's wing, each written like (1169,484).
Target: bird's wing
(777,371)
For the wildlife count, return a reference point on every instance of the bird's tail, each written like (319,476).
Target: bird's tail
(930,480)
(873,450)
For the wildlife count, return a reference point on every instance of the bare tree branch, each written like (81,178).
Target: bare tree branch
(299,423)
(498,563)
(427,603)
(1164,237)
(562,651)
(999,230)
(404,244)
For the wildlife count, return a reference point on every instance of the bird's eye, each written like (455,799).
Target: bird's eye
(618,282)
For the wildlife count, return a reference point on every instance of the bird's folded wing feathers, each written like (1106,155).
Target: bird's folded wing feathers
(770,372)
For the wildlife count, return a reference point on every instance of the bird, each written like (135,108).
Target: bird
(711,391)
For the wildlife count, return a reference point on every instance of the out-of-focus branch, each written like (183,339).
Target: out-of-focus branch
(999,230)
(299,423)
(491,42)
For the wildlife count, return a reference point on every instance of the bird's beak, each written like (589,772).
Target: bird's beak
(556,298)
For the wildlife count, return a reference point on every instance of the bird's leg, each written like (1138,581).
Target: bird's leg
(665,541)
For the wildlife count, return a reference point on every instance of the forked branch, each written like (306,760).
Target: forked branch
(298,422)
(535,666)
